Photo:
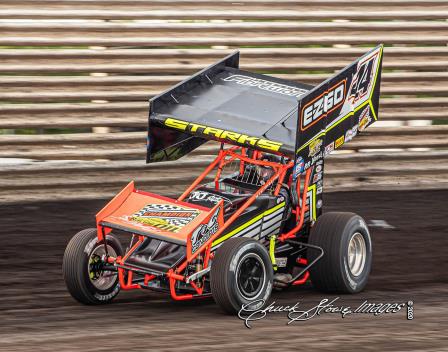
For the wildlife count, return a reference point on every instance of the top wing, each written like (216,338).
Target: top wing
(225,104)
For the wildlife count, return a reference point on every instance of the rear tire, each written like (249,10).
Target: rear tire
(347,260)
(82,268)
(241,273)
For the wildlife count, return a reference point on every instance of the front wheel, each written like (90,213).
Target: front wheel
(345,266)
(241,273)
(87,278)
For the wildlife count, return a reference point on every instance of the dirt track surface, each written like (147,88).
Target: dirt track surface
(410,263)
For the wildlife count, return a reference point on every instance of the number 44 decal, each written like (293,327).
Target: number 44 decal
(363,79)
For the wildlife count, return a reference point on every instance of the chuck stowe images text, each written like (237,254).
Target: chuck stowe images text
(296,312)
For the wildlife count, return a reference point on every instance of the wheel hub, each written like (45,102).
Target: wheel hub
(99,277)
(357,254)
(251,274)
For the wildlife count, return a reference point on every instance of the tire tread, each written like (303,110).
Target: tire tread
(220,289)
(327,233)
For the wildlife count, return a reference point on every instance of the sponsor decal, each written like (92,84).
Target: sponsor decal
(363,79)
(165,216)
(217,133)
(329,148)
(319,190)
(266,85)
(364,119)
(319,168)
(317,177)
(351,133)
(319,204)
(315,147)
(280,199)
(281,261)
(207,197)
(339,142)
(204,232)
(298,168)
(316,158)
(321,106)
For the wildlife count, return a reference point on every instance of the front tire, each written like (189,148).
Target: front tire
(241,273)
(347,260)
(83,271)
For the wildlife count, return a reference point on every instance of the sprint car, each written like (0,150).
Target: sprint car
(252,221)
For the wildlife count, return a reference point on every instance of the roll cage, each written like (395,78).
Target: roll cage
(187,279)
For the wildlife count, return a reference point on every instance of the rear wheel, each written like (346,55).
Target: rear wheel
(241,273)
(347,260)
(86,275)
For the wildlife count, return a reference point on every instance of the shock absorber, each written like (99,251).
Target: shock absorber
(199,265)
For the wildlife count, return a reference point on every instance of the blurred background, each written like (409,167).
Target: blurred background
(76,76)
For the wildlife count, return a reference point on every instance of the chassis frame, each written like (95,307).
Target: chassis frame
(196,279)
